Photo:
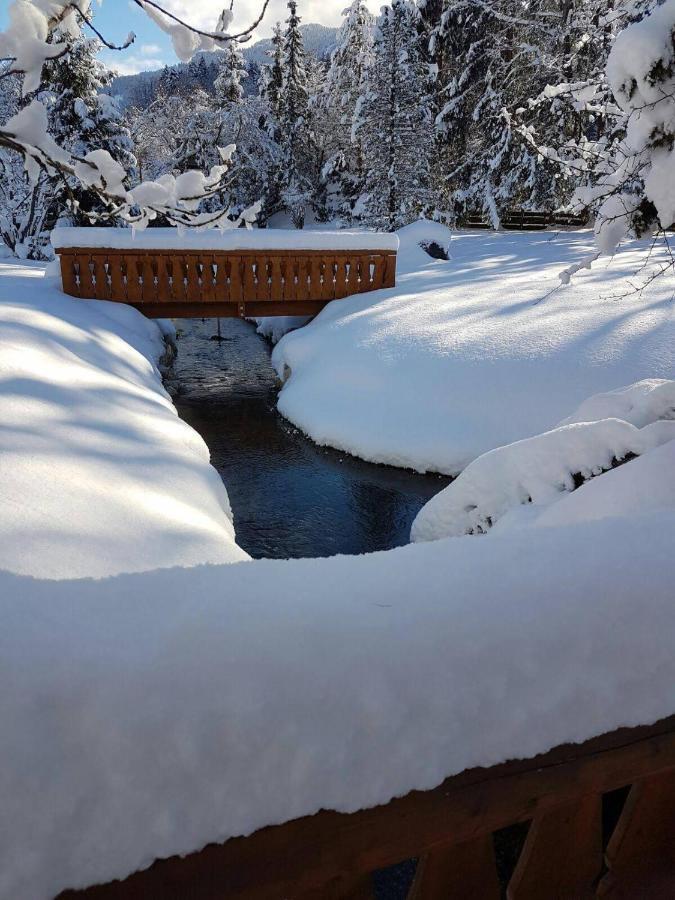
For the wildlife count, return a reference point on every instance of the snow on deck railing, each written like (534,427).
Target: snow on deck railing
(213,239)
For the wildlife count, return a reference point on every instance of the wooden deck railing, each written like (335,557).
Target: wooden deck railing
(585,839)
(168,283)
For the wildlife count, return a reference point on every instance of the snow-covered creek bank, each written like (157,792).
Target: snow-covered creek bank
(289,497)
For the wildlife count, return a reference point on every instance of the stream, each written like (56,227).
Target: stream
(290,498)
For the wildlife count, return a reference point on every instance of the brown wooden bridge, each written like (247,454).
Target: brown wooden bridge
(241,280)
(586,821)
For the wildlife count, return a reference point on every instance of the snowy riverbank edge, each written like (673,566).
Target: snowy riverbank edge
(98,475)
(475,352)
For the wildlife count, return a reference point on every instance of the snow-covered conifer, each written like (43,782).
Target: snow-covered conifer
(394,122)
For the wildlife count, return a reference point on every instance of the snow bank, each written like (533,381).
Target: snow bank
(208,702)
(275,327)
(227,239)
(98,475)
(641,403)
(539,471)
(460,357)
(535,470)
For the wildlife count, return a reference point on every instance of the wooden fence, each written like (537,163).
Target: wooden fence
(601,824)
(172,283)
(524,220)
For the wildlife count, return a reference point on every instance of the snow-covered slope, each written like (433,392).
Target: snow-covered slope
(460,357)
(98,475)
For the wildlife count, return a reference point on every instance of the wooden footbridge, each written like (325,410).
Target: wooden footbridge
(236,273)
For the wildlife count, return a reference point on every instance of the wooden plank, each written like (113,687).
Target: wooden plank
(302,291)
(192,274)
(562,856)
(262,279)
(379,266)
(118,278)
(276,276)
(134,289)
(148,269)
(341,284)
(181,309)
(236,279)
(87,286)
(328,278)
(302,855)
(208,263)
(283,308)
(389,279)
(345,887)
(69,275)
(223,266)
(457,872)
(641,853)
(249,283)
(164,269)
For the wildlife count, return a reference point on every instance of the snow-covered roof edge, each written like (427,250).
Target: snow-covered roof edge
(213,239)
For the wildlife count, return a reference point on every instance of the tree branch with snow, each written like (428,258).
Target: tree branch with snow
(41,32)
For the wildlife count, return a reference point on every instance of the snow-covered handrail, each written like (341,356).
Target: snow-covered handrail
(450,831)
(227,239)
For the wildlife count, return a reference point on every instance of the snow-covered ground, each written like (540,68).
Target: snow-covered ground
(98,475)
(459,357)
(147,713)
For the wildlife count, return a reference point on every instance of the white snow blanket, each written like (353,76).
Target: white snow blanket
(460,357)
(226,239)
(98,475)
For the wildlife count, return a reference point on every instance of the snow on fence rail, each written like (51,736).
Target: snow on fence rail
(234,273)
(588,836)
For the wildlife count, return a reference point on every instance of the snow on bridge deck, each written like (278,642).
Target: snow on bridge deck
(165,273)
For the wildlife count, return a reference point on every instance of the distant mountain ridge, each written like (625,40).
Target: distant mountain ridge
(139,89)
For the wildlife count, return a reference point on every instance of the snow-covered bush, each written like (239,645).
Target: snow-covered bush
(540,469)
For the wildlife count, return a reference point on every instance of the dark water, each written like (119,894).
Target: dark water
(289,497)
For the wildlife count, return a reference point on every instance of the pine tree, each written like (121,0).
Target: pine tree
(346,82)
(293,107)
(231,72)
(83,118)
(394,121)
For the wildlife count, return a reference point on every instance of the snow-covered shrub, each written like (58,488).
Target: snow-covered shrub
(538,470)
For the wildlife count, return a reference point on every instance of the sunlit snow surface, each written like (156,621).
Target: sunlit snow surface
(469,354)
(98,475)
(150,713)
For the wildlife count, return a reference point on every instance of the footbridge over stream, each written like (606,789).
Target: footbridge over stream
(237,272)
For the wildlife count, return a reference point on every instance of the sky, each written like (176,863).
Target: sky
(152,48)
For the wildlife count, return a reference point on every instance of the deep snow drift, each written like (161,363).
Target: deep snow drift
(459,358)
(98,475)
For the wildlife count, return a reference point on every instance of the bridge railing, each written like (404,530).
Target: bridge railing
(599,820)
(187,279)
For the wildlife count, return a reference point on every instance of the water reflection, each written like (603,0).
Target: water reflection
(290,498)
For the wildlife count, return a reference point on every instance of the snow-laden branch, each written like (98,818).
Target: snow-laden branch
(44,30)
